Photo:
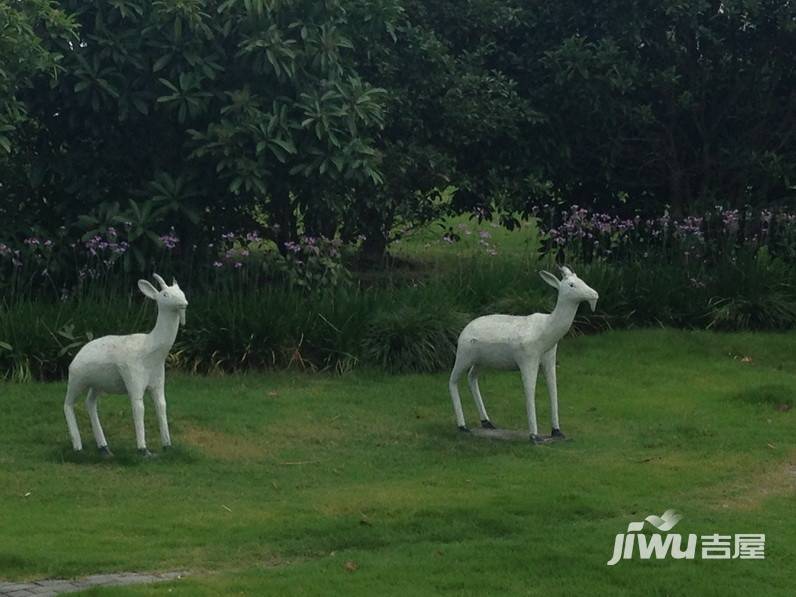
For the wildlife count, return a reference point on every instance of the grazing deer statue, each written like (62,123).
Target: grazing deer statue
(128,364)
(520,342)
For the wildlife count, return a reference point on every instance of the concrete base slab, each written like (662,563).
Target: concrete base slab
(511,435)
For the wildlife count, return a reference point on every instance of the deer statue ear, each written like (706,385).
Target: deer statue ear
(174,282)
(147,289)
(550,279)
(565,271)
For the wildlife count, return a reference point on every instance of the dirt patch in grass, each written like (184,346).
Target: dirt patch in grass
(222,446)
(753,491)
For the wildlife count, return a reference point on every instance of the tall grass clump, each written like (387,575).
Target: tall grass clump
(751,292)
(417,338)
(253,307)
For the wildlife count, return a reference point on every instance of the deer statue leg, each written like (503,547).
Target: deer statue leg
(549,370)
(135,390)
(529,370)
(459,368)
(159,398)
(73,390)
(96,427)
(472,380)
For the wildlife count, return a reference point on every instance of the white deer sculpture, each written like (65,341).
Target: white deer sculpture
(520,342)
(128,364)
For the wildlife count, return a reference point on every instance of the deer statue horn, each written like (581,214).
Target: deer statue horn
(565,270)
(160,281)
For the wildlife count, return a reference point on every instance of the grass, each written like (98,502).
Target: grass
(425,244)
(286,484)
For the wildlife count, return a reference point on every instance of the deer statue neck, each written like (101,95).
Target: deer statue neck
(162,336)
(561,318)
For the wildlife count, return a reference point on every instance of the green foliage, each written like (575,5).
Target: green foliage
(753,292)
(244,319)
(23,56)
(453,117)
(348,118)
(200,113)
(273,328)
(672,103)
(39,340)
(418,337)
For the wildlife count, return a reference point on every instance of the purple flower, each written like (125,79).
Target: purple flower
(170,240)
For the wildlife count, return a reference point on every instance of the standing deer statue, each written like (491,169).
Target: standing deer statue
(128,364)
(520,342)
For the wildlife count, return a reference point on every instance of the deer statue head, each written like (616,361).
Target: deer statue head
(168,298)
(571,288)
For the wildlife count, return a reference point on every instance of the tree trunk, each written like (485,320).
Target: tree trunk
(676,190)
(282,217)
(374,249)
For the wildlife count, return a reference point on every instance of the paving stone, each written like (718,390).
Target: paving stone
(98,579)
(57,586)
(22,591)
(40,590)
(47,587)
(501,434)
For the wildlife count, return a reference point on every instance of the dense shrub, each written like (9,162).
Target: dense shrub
(255,308)
(413,338)
(397,326)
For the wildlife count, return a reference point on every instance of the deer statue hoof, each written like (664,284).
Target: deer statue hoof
(166,448)
(145,453)
(487,424)
(539,440)
(464,428)
(557,435)
(105,451)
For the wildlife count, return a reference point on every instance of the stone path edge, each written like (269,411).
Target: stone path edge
(55,586)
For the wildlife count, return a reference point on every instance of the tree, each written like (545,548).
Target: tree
(684,103)
(453,119)
(354,116)
(212,109)
(23,57)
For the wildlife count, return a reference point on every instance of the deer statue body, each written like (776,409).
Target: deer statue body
(129,364)
(519,342)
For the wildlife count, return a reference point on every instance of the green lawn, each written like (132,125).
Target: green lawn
(291,484)
(425,245)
